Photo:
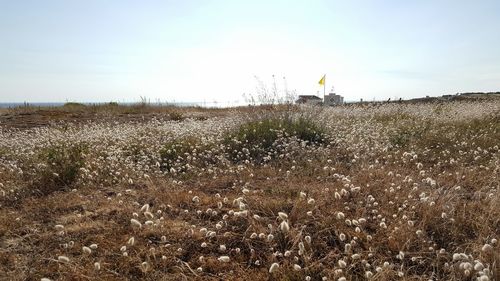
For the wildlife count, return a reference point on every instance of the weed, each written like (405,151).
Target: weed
(62,164)
(176,116)
(175,152)
(254,140)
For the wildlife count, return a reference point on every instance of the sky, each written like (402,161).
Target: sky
(217,51)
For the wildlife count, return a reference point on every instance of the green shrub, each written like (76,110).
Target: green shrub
(61,168)
(176,150)
(74,105)
(255,139)
(401,138)
(176,116)
(410,134)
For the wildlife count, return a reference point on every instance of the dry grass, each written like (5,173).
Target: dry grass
(398,192)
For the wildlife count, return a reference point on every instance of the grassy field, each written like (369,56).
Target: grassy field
(362,192)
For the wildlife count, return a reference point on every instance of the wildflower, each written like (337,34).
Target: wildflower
(311,201)
(148,215)
(340,216)
(282,215)
(135,223)
(59,227)
(284,226)
(297,267)
(308,239)
(131,241)
(97,266)
(86,250)
(478,266)
(347,248)
(145,208)
(301,247)
(487,248)
(223,259)
(342,237)
(222,248)
(274,267)
(63,259)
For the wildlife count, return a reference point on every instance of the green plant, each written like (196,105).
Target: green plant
(176,150)
(255,139)
(74,105)
(176,116)
(62,164)
(401,138)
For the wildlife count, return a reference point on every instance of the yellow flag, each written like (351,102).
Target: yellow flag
(322,81)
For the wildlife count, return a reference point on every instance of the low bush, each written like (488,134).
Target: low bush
(61,167)
(74,105)
(176,116)
(175,151)
(256,139)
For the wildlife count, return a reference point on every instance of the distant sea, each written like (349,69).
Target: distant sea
(21,104)
(55,104)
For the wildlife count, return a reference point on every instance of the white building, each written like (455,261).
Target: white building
(309,99)
(333,99)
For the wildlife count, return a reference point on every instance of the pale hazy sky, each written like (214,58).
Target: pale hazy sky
(119,50)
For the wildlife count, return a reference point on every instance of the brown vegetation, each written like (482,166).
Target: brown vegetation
(387,192)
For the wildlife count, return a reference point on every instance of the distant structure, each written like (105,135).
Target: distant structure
(333,99)
(309,99)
